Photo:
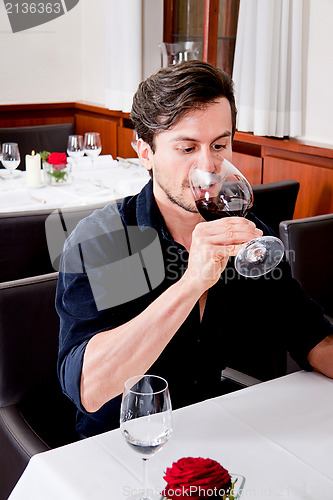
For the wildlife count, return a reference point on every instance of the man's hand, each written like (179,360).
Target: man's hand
(212,245)
(321,356)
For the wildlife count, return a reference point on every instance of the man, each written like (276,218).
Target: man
(196,317)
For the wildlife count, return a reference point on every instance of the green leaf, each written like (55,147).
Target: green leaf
(44,155)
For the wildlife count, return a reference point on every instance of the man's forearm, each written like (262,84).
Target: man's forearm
(321,356)
(113,356)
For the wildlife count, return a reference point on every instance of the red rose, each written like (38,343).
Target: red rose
(57,159)
(196,478)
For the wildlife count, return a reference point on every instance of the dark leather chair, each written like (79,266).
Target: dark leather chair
(38,137)
(26,245)
(233,380)
(275,202)
(309,244)
(272,203)
(34,414)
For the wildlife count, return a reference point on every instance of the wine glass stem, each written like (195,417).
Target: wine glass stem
(256,253)
(145,479)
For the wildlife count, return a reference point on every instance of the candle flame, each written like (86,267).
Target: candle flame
(33,153)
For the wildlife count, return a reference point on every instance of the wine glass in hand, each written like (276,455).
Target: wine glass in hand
(10,157)
(75,147)
(225,192)
(146,419)
(92,145)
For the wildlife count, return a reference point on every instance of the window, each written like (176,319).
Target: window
(213,22)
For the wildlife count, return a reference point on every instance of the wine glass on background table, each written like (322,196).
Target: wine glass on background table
(92,145)
(75,147)
(146,419)
(134,141)
(10,157)
(225,192)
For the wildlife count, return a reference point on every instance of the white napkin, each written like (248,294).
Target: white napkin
(85,163)
(127,162)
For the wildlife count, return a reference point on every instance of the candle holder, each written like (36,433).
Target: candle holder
(57,175)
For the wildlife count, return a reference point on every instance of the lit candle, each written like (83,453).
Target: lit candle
(32,167)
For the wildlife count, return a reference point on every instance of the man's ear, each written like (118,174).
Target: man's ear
(145,154)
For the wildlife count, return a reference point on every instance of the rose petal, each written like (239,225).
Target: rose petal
(200,472)
(57,158)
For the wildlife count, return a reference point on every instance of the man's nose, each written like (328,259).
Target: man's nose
(209,162)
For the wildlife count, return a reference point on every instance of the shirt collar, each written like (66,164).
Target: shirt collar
(147,211)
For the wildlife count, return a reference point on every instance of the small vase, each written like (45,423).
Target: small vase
(57,175)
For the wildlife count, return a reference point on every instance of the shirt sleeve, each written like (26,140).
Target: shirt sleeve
(78,323)
(89,246)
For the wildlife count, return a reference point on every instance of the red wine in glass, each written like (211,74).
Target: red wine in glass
(223,191)
(214,208)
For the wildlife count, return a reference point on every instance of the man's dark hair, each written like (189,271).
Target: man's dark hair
(166,96)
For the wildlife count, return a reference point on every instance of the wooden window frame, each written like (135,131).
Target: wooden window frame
(211,27)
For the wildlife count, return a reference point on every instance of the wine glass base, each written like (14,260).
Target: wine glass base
(259,256)
(6,175)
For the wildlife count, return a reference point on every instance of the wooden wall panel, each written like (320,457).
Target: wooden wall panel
(250,166)
(261,159)
(31,121)
(315,196)
(125,149)
(22,115)
(107,129)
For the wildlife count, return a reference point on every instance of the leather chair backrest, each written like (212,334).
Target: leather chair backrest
(274,202)
(25,244)
(309,244)
(38,137)
(29,329)
(29,338)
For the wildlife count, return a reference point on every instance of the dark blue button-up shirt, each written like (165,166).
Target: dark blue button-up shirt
(120,259)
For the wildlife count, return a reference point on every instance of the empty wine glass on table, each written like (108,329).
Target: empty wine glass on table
(146,419)
(10,157)
(75,147)
(225,192)
(92,145)
(134,141)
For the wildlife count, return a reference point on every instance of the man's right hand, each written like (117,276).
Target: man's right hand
(212,245)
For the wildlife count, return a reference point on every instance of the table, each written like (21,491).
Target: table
(106,180)
(277,434)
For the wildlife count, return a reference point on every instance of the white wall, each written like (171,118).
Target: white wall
(93,51)
(152,35)
(42,64)
(318,68)
(64,60)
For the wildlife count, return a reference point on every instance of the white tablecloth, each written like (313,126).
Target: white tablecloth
(277,434)
(106,180)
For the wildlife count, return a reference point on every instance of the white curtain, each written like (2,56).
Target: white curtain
(124,54)
(268,67)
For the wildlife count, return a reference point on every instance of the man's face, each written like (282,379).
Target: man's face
(197,138)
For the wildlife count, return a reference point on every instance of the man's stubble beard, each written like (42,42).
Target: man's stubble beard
(176,200)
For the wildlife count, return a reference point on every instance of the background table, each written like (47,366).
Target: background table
(277,434)
(106,180)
